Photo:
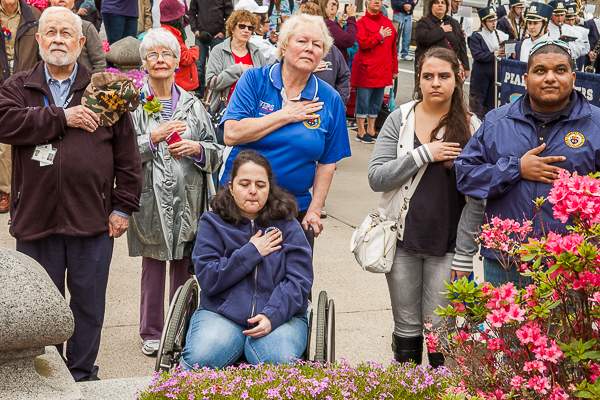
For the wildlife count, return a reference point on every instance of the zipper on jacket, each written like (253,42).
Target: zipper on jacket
(104,202)
(255,280)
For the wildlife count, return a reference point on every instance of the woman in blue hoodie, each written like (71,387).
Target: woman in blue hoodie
(254,266)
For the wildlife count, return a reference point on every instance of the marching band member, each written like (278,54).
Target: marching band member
(483,44)
(513,24)
(557,29)
(583,33)
(465,22)
(536,21)
(594,28)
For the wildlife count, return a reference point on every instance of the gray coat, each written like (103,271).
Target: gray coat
(221,63)
(92,54)
(172,199)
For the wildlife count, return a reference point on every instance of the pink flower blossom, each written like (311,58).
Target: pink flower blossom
(432,342)
(516,382)
(515,313)
(539,384)
(534,366)
(497,317)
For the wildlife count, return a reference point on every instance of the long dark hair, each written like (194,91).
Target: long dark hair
(280,203)
(456,122)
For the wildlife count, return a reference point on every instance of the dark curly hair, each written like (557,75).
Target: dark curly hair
(280,203)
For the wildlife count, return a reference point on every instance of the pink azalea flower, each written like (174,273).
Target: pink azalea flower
(539,384)
(515,313)
(533,366)
(497,317)
(516,382)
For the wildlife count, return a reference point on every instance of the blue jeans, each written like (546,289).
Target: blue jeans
(368,102)
(494,273)
(215,341)
(404,32)
(201,63)
(119,26)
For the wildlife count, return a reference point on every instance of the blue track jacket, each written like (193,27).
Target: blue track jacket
(238,283)
(490,165)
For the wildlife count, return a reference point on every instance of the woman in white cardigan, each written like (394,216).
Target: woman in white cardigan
(413,165)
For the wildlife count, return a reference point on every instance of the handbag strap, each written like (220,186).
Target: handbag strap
(411,191)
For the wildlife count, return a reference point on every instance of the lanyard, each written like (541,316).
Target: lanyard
(46,103)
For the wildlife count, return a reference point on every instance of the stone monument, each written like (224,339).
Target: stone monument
(125,54)
(34,316)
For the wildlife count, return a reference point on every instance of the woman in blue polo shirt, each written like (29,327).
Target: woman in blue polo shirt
(294,119)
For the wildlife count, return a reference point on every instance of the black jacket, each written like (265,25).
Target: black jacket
(209,15)
(430,34)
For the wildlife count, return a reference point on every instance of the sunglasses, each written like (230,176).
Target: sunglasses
(559,43)
(244,26)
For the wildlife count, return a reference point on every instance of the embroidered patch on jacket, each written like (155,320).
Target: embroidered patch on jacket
(313,123)
(574,139)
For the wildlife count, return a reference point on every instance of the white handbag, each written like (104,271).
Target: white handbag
(374,241)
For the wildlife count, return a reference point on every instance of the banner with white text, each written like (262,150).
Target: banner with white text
(513,86)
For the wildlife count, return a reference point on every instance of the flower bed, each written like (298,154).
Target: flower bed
(305,381)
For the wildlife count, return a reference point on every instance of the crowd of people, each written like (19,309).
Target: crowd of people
(225,188)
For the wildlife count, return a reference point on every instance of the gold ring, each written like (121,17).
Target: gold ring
(87,122)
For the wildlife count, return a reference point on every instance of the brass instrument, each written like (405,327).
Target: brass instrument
(592,67)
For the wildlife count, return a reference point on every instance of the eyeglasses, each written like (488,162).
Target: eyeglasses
(166,55)
(559,43)
(244,26)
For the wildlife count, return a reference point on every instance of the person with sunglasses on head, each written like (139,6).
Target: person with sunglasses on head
(483,44)
(515,155)
(513,24)
(230,59)
(536,22)
(171,19)
(558,30)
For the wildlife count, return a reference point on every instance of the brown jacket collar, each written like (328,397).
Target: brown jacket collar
(36,79)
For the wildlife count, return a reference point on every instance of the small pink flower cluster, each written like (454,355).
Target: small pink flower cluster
(503,307)
(137,76)
(39,4)
(105,46)
(500,233)
(575,196)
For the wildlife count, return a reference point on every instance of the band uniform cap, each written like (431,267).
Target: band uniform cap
(110,95)
(558,6)
(571,11)
(539,12)
(250,5)
(487,13)
(517,3)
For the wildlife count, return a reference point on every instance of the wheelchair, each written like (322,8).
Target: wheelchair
(186,301)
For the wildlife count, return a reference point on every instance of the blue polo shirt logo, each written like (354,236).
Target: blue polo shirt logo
(313,123)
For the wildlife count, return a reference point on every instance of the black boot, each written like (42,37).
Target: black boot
(436,359)
(408,349)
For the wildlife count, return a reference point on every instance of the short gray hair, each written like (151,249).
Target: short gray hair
(58,10)
(293,25)
(159,37)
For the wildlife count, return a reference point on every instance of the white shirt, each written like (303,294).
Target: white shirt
(577,46)
(528,44)
(267,49)
(491,40)
(467,24)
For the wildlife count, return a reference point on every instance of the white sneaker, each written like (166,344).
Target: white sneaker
(407,58)
(150,347)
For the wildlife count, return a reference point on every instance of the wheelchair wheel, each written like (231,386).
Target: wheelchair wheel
(330,331)
(172,341)
(322,329)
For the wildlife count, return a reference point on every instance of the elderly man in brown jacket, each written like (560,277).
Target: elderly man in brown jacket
(77,178)
(18,52)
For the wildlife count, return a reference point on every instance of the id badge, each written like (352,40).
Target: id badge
(45,154)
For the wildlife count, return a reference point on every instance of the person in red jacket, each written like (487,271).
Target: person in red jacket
(375,67)
(171,15)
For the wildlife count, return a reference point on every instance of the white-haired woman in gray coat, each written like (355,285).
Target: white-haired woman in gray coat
(176,180)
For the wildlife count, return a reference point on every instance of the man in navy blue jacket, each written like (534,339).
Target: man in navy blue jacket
(403,11)
(515,155)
